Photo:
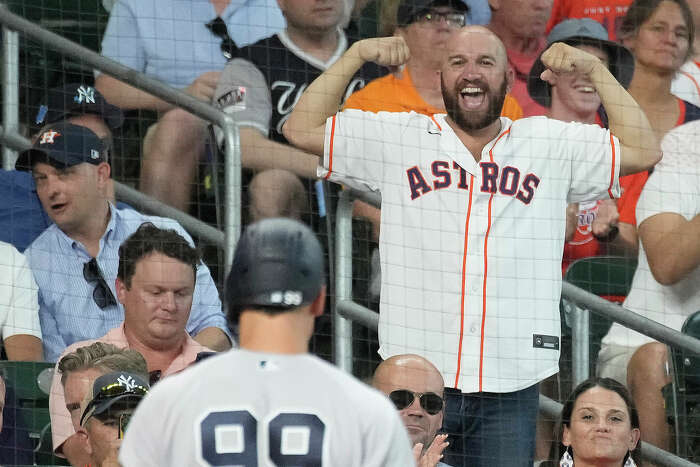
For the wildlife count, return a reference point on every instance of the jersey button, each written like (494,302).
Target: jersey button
(473,328)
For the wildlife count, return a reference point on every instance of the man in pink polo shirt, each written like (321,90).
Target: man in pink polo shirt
(155,283)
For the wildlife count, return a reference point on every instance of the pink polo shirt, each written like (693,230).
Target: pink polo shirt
(61,424)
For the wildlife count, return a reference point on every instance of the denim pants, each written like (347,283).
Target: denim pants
(491,429)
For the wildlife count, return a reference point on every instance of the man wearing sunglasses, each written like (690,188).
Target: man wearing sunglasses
(75,260)
(105,413)
(74,375)
(416,388)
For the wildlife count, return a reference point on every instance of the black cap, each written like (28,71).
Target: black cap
(121,387)
(72,100)
(408,9)
(278,263)
(63,145)
(583,31)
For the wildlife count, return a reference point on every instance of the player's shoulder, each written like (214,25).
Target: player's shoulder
(681,148)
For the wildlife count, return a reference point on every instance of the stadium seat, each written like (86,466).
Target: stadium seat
(683,394)
(609,277)
(30,383)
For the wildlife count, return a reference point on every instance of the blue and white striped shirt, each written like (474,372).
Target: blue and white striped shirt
(67,311)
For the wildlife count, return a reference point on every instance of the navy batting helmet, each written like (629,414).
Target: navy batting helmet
(278,264)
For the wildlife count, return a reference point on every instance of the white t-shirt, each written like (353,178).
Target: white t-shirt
(471,252)
(253,409)
(19,303)
(674,187)
(686,85)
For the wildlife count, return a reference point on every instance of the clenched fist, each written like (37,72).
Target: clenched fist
(385,51)
(563,58)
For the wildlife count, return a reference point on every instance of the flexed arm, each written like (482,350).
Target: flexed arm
(306,124)
(640,148)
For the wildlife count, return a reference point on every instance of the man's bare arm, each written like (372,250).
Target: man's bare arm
(24,348)
(260,153)
(672,245)
(306,124)
(214,338)
(640,148)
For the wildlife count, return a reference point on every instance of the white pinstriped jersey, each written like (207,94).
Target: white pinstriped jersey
(254,409)
(471,252)
(686,84)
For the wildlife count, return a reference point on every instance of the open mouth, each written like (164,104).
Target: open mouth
(586,89)
(473,97)
(57,207)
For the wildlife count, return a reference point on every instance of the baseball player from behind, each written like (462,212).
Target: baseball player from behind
(473,222)
(270,403)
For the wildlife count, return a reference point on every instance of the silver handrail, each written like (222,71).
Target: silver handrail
(353,311)
(232,162)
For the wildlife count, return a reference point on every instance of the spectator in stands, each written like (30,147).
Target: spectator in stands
(19,307)
(686,84)
(591,226)
(185,46)
(21,217)
(608,13)
(599,425)
(277,193)
(155,284)
(660,34)
(521,25)
(665,285)
(416,388)
(106,413)
(263,86)
(75,261)
(425,25)
(73,375)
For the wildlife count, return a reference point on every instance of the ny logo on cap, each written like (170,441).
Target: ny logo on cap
(86,94)
(48,136)
(126,381)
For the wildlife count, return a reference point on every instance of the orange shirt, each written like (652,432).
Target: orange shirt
(396,93)
(609,13)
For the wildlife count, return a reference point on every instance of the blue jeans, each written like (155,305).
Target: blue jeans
(491,429)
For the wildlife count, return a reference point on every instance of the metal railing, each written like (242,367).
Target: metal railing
(347,311)
(12,25)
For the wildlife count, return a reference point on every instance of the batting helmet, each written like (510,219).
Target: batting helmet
(278,264)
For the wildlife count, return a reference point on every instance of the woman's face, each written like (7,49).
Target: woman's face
(662,41)
(600,429)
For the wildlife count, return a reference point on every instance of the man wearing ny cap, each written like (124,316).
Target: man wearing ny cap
(272,402)
(106,411)
(71,175)
(592,226)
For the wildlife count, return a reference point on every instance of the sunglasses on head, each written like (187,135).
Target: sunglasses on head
(431,402)
(217,26)
(110,391)
(101,294)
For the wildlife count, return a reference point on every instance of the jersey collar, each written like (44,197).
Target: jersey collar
(342,46)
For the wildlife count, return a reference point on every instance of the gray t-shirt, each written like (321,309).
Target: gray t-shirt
(257,409)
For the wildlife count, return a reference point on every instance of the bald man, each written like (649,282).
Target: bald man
(473,222)
(416,388)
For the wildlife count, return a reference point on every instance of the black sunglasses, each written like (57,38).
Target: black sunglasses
(109,392)
(431,402)
(101,294)
(228,46)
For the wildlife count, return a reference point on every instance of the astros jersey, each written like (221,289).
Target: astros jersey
(254,409)
(471,252)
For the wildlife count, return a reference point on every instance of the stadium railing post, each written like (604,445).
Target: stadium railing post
(10,91)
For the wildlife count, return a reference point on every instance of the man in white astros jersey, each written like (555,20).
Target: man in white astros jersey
(473,222)
(270,403)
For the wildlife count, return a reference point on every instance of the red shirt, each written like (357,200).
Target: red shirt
(521,66)
(609,13)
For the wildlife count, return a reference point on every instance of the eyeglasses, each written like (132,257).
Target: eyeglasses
(431,402)
(109,392)
(121,421)
(101,294)
(453,20)
(228,46)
